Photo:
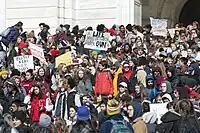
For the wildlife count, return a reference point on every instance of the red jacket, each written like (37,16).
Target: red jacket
(104,83)
(28,84)
(37,108)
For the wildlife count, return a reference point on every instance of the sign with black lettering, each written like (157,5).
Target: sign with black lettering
(97,40)
(23,63)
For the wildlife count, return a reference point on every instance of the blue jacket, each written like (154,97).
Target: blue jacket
(153,94)
(106,127)
(11,37)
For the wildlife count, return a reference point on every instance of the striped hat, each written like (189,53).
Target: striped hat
(113,107)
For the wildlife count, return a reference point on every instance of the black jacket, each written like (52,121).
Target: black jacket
(16,96)
(170,121)
(4,104)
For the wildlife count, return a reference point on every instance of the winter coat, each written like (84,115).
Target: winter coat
(28,84)
(38,106)
(4,103)
(139,126)
(24,129)
(17,96)
(106,127)
(153,94)
(170,120)
(83,87)
(104,83)
(115,81)
(73,99)
(68,100)
(130,80)
(11,37)
(189,125)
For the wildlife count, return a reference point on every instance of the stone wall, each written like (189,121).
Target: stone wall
(166,9)
(74,12)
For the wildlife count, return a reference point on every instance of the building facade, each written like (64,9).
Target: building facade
(74,12)
(184,11)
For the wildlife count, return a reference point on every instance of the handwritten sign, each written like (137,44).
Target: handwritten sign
(37,52)
(65,58)
(23,63)
(160,109)
(159,27)
(172,32)
(97,40)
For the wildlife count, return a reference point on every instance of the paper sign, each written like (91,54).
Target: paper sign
(65,58)
(160,109)
(159,27)
(23,63)
(97,40)
(172,32)
(37,52)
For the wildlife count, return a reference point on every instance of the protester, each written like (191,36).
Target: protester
(119,79)
(116,122)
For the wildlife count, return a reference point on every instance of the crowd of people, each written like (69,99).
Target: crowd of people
(105,91)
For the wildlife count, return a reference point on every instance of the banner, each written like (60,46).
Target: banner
(65,58)
(37,52)
(172,32)
(160,109)
(97,40)
(159,27)
(23,63)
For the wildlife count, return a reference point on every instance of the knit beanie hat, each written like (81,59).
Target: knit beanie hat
(45,120)
(113,107)
(3,71)
(83,113)
(20,115)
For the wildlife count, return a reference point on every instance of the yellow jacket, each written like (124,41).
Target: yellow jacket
(115,81)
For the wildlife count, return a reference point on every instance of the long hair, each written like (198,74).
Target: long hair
(59,69)
(40,95)
(77,78)
(185,108)
(80,125)
(143,93)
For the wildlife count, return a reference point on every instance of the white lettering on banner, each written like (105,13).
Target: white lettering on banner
(160,109)
(97,40)
(23,63)
(159,27)
(37,51)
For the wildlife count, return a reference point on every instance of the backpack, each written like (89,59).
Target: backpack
(5,33)
(120,126)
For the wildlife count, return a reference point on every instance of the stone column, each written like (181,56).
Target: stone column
(2,15)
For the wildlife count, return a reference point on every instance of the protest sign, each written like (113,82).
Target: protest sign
(37,51)
(65,58)
(160,109)
(159,27)
(172,32)
(23,63)
(97,40)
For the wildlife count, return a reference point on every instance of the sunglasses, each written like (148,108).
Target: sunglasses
(121,86)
